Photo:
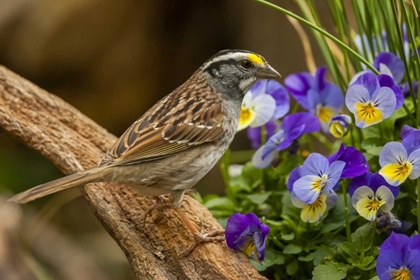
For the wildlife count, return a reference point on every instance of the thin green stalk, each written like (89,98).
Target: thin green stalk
(322,31)
(418,205)
(403,56)
(324,140)
(341,35)
(346,211)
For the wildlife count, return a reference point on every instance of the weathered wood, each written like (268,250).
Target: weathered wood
(73,142)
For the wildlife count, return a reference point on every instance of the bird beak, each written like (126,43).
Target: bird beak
(268,72)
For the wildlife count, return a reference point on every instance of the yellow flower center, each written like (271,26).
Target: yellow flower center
(250,250)
(402,274)
(338,130)
(246,117)
(397,172)
(324,113)
(368,113)
(320,183)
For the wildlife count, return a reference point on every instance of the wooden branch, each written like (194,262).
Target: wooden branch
(73,142)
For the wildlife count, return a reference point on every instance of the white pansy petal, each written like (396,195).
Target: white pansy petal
(385,194)
(392,152)
(257,160)
(264,106)
(360,193)
(414,158)
(355,94)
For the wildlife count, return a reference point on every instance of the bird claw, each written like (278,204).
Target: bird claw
(199,238)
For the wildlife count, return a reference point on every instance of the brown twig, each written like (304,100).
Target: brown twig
(73,142)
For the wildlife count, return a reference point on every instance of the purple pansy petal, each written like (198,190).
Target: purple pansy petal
(356,93)
(369,81)
(333,97)
(357,182)
(303,188)
(320,82)
(334,174)
(392,152)
(356,164)
(387,81)
(405,88)
(394,64)
(373,181)
(243,230)
(406,129)
(385,100)
(258,88)
(254,133)
(236,225)
(293,134)
(282,99)
(259,162)
(273,142)
(293,177)
(414,158)
(315,164)
(310,121)
(411,141)
(390,254)
(298,86)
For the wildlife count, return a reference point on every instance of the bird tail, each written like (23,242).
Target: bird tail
(70,181)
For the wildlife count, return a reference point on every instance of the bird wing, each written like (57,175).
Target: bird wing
(185,118)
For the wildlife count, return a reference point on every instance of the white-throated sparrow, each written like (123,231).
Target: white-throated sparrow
(176,142)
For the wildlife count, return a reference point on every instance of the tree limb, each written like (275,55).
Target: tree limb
(73,142)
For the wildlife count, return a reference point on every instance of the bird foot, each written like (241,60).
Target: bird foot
(213,236)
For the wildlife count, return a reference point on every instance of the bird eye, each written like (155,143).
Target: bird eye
(246,64)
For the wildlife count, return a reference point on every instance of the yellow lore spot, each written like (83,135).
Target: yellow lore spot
(256,59)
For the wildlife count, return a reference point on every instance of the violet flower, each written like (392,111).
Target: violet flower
(356,164)
(292,128)
(399,257)
(254,133)
(318,176)
(316,95)
(400,161)
(246,233)
(371,194)
(370,102)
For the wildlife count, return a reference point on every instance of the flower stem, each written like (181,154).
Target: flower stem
(323,32)
(418,205)
(346,211)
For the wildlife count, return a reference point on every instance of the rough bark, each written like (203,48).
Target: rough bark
(73,142)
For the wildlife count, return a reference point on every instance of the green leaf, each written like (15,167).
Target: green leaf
(292,249)
(362,238)
(287,165)
(348,249)
(307,258)
(220,203)
(330,271)
(287,235)
(258,198)
(291,268)
(320,256)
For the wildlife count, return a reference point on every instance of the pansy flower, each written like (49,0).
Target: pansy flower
(316,95)
(266,100)
(246,233)
(313,212)
(371,194)
(292,128)
(317,176)
(339,125)
(370,102)
(356,164)
(254,133)
(400,161)
(399,258)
